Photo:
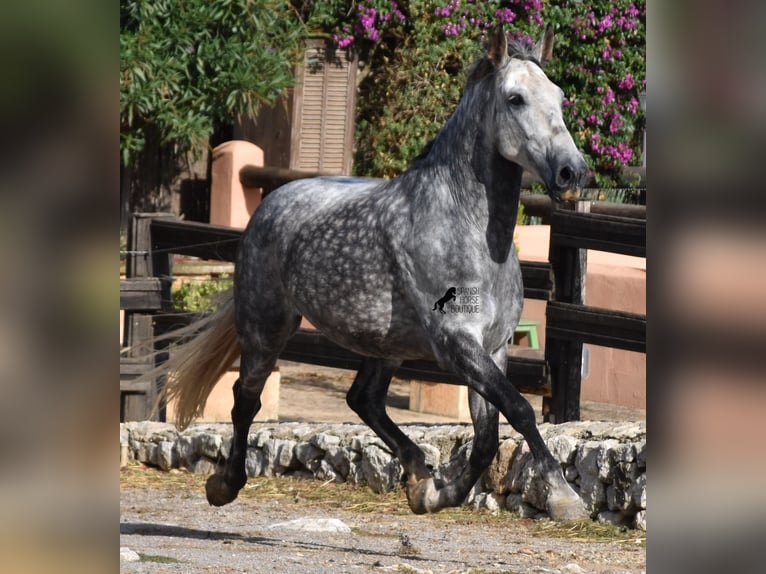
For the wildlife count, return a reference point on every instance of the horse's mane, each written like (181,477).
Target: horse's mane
(425,151)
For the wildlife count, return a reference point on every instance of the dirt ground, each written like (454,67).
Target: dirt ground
(167,523)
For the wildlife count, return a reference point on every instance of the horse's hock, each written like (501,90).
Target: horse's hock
(604,462)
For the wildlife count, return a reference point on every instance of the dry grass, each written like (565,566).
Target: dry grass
(589,531)
(361,499)
(320,495)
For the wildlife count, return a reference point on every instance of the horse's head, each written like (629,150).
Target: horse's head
(528,124)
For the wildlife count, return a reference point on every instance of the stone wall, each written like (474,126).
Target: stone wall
(605,462)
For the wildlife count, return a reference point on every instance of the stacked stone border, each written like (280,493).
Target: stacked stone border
(604,461)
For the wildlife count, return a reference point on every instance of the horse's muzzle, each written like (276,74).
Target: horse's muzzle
(569,177)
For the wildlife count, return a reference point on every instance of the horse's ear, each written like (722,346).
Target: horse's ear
(498,47)
(544,46)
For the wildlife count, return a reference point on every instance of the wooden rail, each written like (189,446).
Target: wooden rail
(537,204)
(269,177)
(540,205)
(605,327)
(624,235)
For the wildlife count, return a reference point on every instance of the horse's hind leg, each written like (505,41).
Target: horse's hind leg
(485,444)
(222,488)
(367,397)
(260,351)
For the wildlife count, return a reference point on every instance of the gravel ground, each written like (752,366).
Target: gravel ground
(173,529)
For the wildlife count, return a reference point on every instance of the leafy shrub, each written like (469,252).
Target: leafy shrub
(185,66)
(200,295)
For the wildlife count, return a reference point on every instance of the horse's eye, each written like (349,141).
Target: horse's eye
(516,100)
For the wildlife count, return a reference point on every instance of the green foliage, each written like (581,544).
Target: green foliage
(420,79)
(200,295)
(186,65)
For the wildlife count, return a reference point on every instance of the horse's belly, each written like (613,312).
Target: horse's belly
(368,321)
(400,345)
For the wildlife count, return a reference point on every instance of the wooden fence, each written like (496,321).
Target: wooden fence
(569,322)
(145,298)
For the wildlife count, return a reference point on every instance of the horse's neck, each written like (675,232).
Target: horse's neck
(482,186)
(498,185)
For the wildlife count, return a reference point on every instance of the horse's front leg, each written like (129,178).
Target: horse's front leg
(466,357)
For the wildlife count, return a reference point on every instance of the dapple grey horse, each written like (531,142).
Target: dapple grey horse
(364,261)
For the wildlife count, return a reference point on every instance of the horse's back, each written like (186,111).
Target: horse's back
(287,210)
(302,200)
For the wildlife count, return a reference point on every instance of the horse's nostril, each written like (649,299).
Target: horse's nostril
(565,175)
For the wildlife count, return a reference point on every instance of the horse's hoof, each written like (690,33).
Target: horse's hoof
(565,507)
(218,491)
(422,495)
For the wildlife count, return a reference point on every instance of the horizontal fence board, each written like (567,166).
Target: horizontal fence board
(165,322)
(272,177)
(597,326)
(129,386)
(220,243)
(140,294)
(540,205)
(526,367)
(532,293)
(139,284)
(196,239)
(134,368)
(537,278)
(528,374)
(611,233)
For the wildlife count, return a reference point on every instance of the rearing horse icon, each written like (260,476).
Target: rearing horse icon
(448,296)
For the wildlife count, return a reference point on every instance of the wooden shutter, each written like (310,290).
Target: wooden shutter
(323,115)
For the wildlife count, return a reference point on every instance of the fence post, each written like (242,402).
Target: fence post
(569,266)
(142,262)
